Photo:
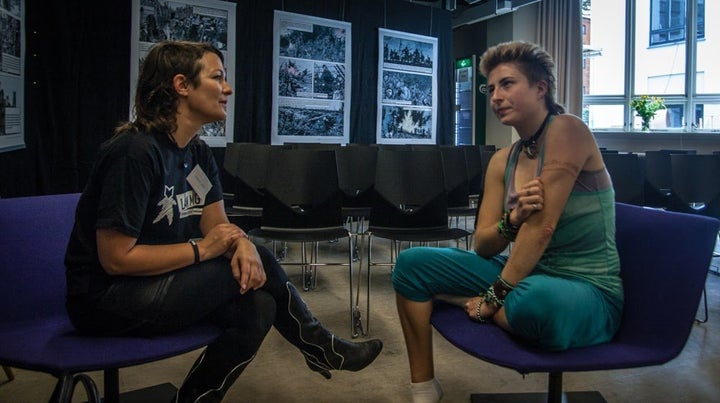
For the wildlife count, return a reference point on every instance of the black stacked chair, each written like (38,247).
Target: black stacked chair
(628,177)
(410,204)
(356,178)
(696,189)
(474,167)
(695,184)
(456,184)
(658,176)
(246,163)
(302,204)
(313,146)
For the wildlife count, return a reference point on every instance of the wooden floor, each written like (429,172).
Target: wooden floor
(279,374)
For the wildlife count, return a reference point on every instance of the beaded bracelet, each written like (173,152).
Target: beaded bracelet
(497,292)
(495,296)
(506,228)
(477,310)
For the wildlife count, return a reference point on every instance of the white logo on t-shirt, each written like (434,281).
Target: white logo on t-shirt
(188,203)
(166,205)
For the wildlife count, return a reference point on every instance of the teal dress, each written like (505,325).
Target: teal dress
(572,298)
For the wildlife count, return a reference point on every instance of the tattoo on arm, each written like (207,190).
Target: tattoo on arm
(562,166)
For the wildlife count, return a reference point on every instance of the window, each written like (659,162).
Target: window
(667,21)
(651,55)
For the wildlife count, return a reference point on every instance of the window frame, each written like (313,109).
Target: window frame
(655,5)
(689,100)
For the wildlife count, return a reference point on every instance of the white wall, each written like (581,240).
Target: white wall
(518,25)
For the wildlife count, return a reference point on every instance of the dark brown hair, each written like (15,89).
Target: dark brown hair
(156,101)
(531,59)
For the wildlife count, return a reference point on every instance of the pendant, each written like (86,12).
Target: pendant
(531,150)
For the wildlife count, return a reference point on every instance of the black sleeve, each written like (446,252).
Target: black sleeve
(130,174)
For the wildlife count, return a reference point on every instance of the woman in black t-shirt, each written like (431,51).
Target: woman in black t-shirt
(152,250)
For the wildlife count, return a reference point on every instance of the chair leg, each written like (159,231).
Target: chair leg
(9,373)
(306,275)
(705,307)
(555,392)
(369,267)
(90,388)
(63,389)
(280,256)
(356,329)
(111,392)
(314,259)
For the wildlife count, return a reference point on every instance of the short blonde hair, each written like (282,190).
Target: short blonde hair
(531,59)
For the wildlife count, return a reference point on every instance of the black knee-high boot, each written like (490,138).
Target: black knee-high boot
(213,372)
(250,317)
(323,350)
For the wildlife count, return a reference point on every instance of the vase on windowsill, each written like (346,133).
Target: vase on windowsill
(645,107)
(645,125)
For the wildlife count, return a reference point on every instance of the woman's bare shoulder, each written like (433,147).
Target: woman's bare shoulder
(500,156)
(570,124)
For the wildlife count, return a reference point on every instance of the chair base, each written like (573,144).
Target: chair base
(567,397)
(8,372)
(163,392)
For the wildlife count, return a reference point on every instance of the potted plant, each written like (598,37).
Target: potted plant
(645,107)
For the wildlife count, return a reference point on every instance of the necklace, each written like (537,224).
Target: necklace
(529,146)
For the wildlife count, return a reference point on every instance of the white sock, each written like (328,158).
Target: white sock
(426,392)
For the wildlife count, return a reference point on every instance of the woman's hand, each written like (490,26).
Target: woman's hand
(247,266)
(487,311)
(531,198)
(219,240)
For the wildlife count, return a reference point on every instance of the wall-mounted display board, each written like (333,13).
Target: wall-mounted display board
(311,79)
(12,76)
(407,88)
(208,21)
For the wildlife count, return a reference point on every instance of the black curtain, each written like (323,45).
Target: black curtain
(77,85)
(78,79)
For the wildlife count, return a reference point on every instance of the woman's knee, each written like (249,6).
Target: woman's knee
(266,255)
(412,276)
(273,270)
(406,266)
(263,308)
(253,311)
(409,260)
(531,304)
(553,314)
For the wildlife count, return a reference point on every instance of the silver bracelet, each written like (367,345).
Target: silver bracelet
(477,310)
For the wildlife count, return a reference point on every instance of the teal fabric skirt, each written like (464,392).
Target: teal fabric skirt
(551,312)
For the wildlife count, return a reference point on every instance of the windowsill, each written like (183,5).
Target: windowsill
(664,133)
(636,141)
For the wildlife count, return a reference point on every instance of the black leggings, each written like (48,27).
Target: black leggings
(206,292)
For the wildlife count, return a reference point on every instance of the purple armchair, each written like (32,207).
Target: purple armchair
(662,253)
(35,332)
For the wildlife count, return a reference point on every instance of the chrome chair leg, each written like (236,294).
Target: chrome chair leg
(705,307)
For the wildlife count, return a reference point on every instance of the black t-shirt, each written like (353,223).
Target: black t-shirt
(144,186)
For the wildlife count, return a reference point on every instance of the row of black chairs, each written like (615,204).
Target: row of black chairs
(246,168)
(311,194)
(678,180)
